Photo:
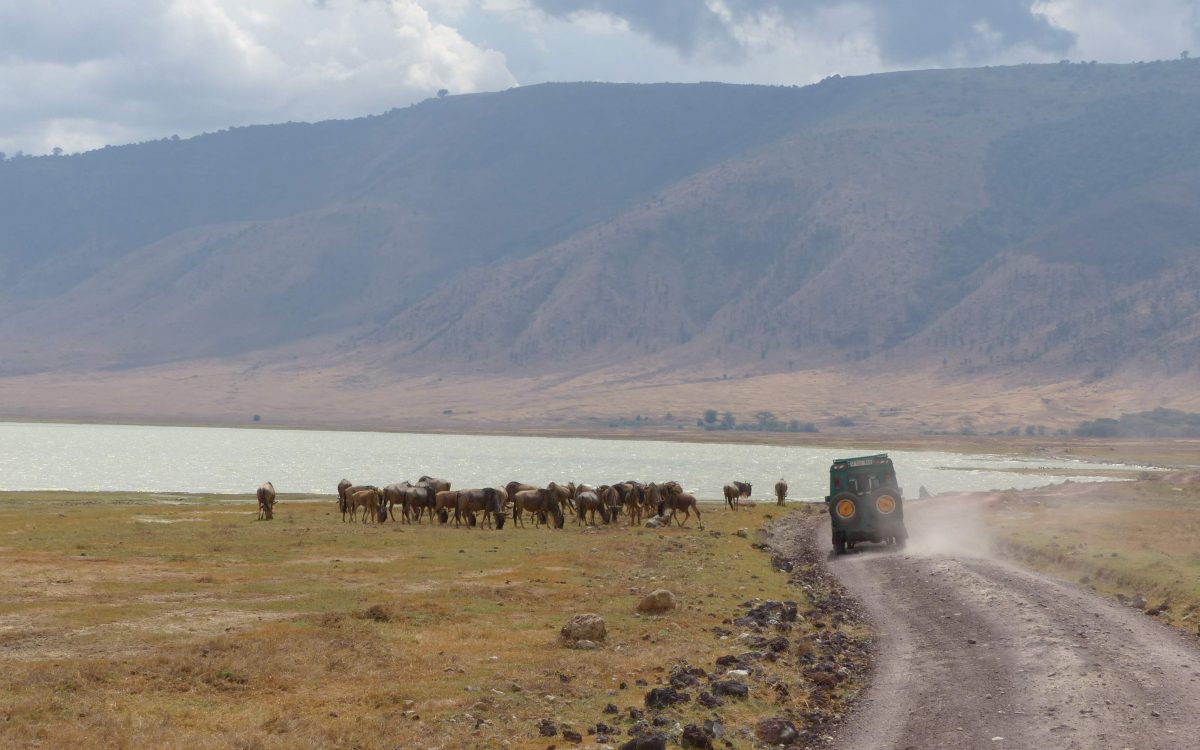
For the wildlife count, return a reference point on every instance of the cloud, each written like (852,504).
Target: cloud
(905,31)
(80,74)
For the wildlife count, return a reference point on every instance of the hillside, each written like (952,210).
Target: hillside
(1028,225)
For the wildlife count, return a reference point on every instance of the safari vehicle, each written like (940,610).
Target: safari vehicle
(865,504)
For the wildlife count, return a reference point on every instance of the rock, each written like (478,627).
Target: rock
(648,742)
(584,627)
(570,736)
(547,728)
(584,644)
(778,643)
(656,522)
(731,688)
(611,708)
(1138,602)
(657,602)
(661,697)
(708,700)
(695,737)
(743,533)
(776,731)
(923,493)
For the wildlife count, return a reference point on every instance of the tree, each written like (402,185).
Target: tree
(765,419)
(728,421)
(57,151)
(1184,55)
(442,93)
(710,416)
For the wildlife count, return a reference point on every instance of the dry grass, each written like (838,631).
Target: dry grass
(1121,538)
(125,623)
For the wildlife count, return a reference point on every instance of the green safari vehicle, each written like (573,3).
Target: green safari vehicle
(865,503)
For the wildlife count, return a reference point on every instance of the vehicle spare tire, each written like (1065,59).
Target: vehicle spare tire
(886,501)
(844,506)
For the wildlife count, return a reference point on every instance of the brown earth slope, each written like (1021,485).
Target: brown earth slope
(1028,228)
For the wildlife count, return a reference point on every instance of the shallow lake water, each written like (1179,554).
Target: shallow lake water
(37,456)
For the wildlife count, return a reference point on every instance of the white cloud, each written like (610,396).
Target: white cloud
(1121,31)
(92,73)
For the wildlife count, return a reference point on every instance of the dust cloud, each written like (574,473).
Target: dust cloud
(948,525)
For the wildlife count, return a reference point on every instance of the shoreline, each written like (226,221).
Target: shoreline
(1154,453)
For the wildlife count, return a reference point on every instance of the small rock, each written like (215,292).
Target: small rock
(695,737)
(547,728)
(646,742)
(1138,602)
(583,644)
(570,736)
(661,697)
(1155,714)
(776,731)
(611,708)
(743,533)
(708,700)
(657,602)
(589,627)
(731,688)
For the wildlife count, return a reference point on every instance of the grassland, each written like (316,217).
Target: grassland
(1121,539)
(129,622)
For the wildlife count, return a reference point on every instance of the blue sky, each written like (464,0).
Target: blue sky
(80,74)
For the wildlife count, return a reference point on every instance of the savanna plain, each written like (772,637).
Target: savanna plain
(134,620)
(181,621)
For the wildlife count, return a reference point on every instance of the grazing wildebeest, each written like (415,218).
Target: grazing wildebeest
(565,492)
(590,503)
(370,499)
(343,485)
(673,498)
(266,502)
(420,498)
(634,499)
(406,496)
(780,490)
(444,502)
(745,487)
(540,503)
(490,500)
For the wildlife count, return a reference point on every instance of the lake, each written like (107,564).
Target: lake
(139,458)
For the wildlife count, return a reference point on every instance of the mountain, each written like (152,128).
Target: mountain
(1025,225)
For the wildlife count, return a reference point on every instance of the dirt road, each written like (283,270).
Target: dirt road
(974,652)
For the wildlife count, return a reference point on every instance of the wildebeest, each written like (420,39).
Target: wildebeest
(411,498)
(266,502)
(490,500)
(673,498)
(438,485)
(635,497)
(444,502)
(343,485)
(565,492)
(735,491)
(370,499)
(539,502)
(780,490)
(590,503)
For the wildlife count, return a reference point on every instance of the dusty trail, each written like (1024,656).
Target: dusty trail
(973,652)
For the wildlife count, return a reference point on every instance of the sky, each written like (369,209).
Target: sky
(81,74)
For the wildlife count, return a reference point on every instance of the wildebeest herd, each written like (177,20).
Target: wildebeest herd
(658,503)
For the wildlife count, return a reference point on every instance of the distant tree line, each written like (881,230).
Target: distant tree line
(1157,423)
(764,421)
